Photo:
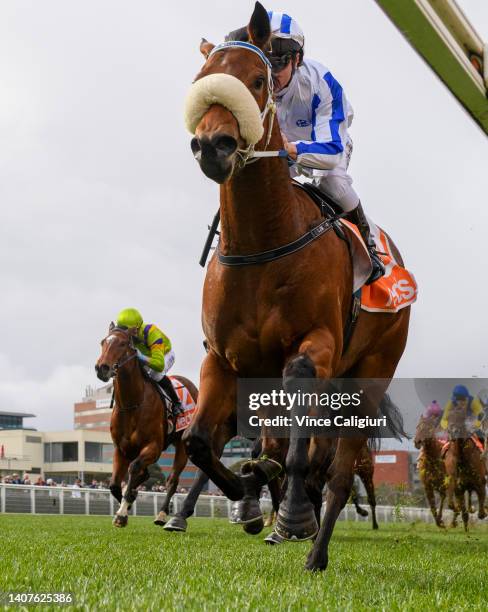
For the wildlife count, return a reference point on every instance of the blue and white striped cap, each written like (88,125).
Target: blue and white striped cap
(283,26)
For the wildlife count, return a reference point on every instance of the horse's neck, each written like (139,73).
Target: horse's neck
(129,385)
(431,448)
(259,207)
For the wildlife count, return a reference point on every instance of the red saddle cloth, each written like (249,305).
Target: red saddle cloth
(393,291)
(476,441)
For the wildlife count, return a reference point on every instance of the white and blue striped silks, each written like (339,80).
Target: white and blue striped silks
(314,113)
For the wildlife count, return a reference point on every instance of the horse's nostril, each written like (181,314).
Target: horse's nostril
(196,148)
(225,145)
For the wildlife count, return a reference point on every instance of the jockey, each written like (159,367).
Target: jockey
(154,352)
(462,400)
(314,116)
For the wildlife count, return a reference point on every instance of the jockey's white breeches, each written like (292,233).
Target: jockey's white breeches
(169,360)
(337,183)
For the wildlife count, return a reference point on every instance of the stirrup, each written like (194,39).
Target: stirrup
(378,267)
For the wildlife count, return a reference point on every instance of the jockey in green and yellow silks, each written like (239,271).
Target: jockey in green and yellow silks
(153,350)
(461,399)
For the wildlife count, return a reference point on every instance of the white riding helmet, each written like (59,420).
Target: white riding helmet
(284,26)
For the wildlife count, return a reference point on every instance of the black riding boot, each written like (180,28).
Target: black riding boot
(168,388)
(358,217)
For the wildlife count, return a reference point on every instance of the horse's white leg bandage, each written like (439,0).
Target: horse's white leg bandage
(230,92)
(124,507)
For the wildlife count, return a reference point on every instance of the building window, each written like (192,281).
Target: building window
(55,452)
(97,452)
(8,421)
(33,439)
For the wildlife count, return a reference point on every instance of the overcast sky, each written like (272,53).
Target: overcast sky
(103,206)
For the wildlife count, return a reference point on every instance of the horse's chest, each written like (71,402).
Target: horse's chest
(252,339)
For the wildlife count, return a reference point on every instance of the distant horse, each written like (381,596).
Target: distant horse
(465,468)
(267,315)
(430,465)
(364,468)
(139,423)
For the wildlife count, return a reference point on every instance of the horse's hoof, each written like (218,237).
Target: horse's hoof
(273,538)
(120,521)
(254,527)
(161,519)
(246,510)
(362,512)
(375,526)
(297,526)
(481,515)
(316,562)
(176,523)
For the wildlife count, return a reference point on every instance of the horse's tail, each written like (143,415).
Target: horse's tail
(394,423)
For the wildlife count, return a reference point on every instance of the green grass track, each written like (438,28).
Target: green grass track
(216,566)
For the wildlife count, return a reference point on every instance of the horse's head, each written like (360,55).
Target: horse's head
(117,349)
(227,105)
(426,430)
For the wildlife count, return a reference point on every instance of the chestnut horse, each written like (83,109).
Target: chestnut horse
(465,468)
(281,319)
(430,465)
(139,423)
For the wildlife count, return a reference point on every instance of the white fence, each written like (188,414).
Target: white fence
(61,500)
(66,500)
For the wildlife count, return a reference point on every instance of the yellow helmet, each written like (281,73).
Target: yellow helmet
(129,317)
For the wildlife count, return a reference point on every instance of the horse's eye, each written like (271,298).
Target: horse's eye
(259,82)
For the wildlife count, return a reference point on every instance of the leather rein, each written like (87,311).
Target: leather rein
(116,368)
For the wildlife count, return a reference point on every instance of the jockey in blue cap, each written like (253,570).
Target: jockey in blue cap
(462,400)
(314,116)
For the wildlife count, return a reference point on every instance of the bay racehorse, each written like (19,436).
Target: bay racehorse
(139,423)
(272,316)
(364,468)
(465,468)
(430,464)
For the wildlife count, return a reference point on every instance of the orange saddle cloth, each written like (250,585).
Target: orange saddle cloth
(393,291)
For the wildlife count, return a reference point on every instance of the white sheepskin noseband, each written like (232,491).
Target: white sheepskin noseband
(231,93)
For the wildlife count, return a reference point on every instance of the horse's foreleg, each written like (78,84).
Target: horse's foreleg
(137,475)
(429,493)
(178,522)
(179,463)
(320,455)
(296,517)
(260,471)
(481,492)
(216,403)
(367,478)
(119,471)
(338,491)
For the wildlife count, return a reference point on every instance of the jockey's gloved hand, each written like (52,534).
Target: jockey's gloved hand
(142,357)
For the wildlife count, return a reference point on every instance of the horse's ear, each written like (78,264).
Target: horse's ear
(259,29)
(206,47)
(111,326)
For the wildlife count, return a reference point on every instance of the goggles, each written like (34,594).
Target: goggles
(280,62)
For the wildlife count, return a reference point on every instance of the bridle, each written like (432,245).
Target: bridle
(118,364)
(249,155)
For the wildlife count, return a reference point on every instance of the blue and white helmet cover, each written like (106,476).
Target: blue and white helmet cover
(284,26)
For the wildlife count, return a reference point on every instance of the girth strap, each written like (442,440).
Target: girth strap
(273,254)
